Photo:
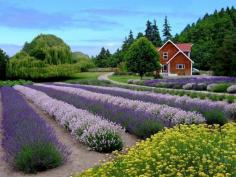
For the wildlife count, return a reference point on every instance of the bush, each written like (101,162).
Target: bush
(215,117)
(104,141)
(201,86)
(196,150)
(231,89)
(38,157)
(14,82)
(189,86)
(148,128)
(91,82)
(218,87)
(36,70)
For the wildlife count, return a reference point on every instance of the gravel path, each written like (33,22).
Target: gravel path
(79,160)
(106,77)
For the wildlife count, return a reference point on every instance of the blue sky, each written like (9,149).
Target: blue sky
(87,25)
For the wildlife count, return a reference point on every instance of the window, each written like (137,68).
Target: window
(180,66)
(165,55)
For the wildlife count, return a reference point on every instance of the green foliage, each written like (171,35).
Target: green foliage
(113,141)
(37,157)
(220,87)
(14,82)
(152,33)
(32,69)
(215,117)
(102,59)
(3,62)
(166,30)
(225,59)
(142,57)
(50,49)
(83,60)
(148,128)
(207,35)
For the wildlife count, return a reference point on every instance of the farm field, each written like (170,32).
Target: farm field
(93,121)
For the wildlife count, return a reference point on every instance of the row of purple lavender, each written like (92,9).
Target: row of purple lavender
(29,143)
(139,118)
(205,107)
(197,80)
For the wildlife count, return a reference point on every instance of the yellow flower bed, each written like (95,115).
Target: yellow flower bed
(196,150)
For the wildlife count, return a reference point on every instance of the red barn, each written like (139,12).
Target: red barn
(175,58)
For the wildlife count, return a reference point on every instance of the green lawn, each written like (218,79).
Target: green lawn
(125,78)
(86,76)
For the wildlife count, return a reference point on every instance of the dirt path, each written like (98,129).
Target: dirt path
(79,160)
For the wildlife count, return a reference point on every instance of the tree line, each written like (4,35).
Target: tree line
(214,44)
(152,33)
(212,36)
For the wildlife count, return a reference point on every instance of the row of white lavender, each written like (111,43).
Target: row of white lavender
(183,102)
(85,126)
(162,112)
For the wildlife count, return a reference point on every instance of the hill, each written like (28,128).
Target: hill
(208,35)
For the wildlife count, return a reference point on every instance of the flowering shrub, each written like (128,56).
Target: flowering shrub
(196,150)
(30,144)
(231,89)
(222,87)
(196,80)
(169,115)
(184,102)
(85,126)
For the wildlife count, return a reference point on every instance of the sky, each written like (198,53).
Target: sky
(88,25)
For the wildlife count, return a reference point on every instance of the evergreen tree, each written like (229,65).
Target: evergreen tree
(139,35)
(156,39)
(166,30)
(102,59)
(3,62)
(148,31)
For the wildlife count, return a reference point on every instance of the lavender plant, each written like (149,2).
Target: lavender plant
(205,107)
(29,143)
(128,113)
(92,130)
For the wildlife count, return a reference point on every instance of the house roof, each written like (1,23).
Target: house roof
(180,52)
(185,47)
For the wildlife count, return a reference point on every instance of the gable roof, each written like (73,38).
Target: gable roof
(184,47)
(180,52)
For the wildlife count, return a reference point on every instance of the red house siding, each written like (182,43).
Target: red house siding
(181,59)
(171,49)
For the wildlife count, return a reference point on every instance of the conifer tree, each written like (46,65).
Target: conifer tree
(166,30)
(156,39)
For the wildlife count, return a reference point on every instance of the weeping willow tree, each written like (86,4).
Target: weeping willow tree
(49,48)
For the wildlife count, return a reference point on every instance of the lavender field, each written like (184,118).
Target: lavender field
(101,119)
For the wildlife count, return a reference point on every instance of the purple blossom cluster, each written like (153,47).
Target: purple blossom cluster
(184,102)
(85,126)
(137,111)
(195,80)
(23,127)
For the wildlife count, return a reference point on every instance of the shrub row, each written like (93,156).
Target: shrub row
(14,82)
(196,150)
(192,93)
(205,107)
(97,133)
(29,143)
(140,118)
(32,69)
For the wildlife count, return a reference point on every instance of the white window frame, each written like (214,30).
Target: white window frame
(165,55)
(178,66)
